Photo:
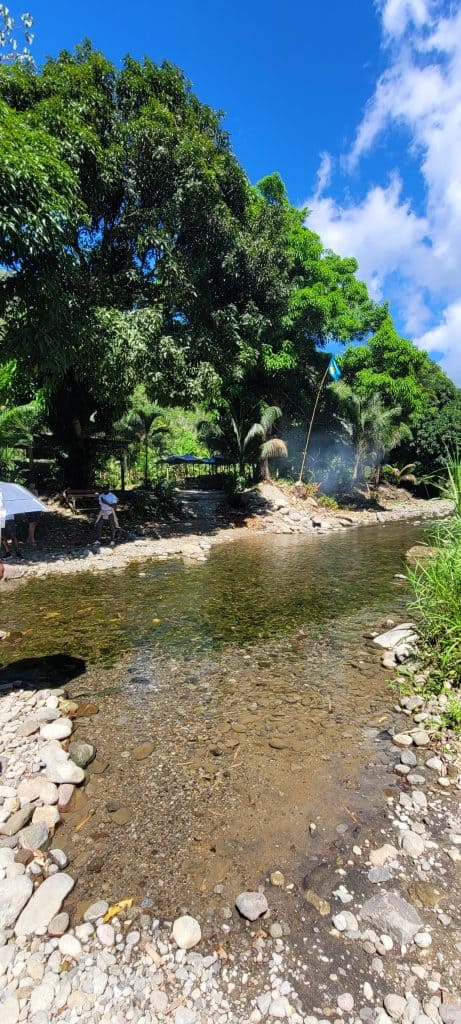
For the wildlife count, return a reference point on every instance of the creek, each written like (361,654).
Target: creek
(251,677)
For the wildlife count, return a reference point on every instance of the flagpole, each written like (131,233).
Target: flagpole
(311,422)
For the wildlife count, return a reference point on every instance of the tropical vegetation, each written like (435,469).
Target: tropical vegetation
(152,298)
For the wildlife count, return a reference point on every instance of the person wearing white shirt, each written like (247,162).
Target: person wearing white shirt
(107,515)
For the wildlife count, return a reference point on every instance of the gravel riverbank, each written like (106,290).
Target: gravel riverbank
(381,939)
(267,509)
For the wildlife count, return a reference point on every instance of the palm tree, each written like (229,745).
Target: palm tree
(17,424)
(268,448)
(143,423)
(373,429)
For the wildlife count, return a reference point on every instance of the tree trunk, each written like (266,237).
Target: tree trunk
(358,458)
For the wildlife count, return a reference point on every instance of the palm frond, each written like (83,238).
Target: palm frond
(256,430)
(274,448)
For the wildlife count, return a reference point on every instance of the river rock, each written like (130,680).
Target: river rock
(419,553)
(435,763)
(158,1001)
(96,910)
(393,637)
(142,751)
(346,1002)
(251,905)
(64,772)
(395,1005)
(52,752)
(41,999)
(388,912)
(17,821)
(378,875)
(70,946)
(58,730)
(402,739)
(34,836)
(106,934)
(186,932)
(378,858)
(14,894)
(45,904)
(82,754)
(49,815)
(58,925)
(421,738)
(409,758)
(65,794)
(38,789)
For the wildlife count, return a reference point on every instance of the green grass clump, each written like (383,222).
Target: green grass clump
(437,588)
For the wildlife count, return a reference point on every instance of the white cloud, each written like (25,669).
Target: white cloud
(446,338)
(397,14)
(420,91)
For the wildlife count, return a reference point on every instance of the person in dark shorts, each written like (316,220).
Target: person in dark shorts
(32,517)
(9,537)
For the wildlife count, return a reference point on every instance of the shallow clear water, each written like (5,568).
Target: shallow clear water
(251,677)
(261,587)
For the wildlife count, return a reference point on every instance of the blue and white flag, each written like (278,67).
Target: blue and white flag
(333,369)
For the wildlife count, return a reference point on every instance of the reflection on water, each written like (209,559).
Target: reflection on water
(261,587)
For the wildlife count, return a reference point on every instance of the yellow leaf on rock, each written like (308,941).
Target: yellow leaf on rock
(51,615)
(117,909)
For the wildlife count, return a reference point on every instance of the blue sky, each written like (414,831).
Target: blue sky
(357,105)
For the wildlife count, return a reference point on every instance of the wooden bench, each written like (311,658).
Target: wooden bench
(81,498)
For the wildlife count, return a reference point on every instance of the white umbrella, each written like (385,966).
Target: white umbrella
(15,500)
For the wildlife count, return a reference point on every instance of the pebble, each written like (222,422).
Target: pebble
(14,894)
(10,1010)
(402,739)
(63,771)
(158,1001)
(346,1002)
(413,845)
(251,905)
(395,1005)
(186,932)
(69,945)
(421,738)
(58,924)
(408,757)
(423,940)
(380,857)
(106,934)
(96,910)
(59,730)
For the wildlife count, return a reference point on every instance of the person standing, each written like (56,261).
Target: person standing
(107,515)
(32,517)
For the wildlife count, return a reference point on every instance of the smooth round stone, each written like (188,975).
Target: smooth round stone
(435,763)
(413,845)
(402,769)
(395,1005)
(106,934)
(68,706)
(96,910)
(423,940)
(277,879)
(64,772)
(59,858)
(58,730)
(276,930)
(416,780)
(82,753)
(421,738)
(251,905)
(409,758)
(70,946)
(402,739)
(346,1002)
(65,794)
(58,925)
(142,751)
(53,752)
(186,932)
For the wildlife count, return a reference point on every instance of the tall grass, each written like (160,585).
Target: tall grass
(436,585)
